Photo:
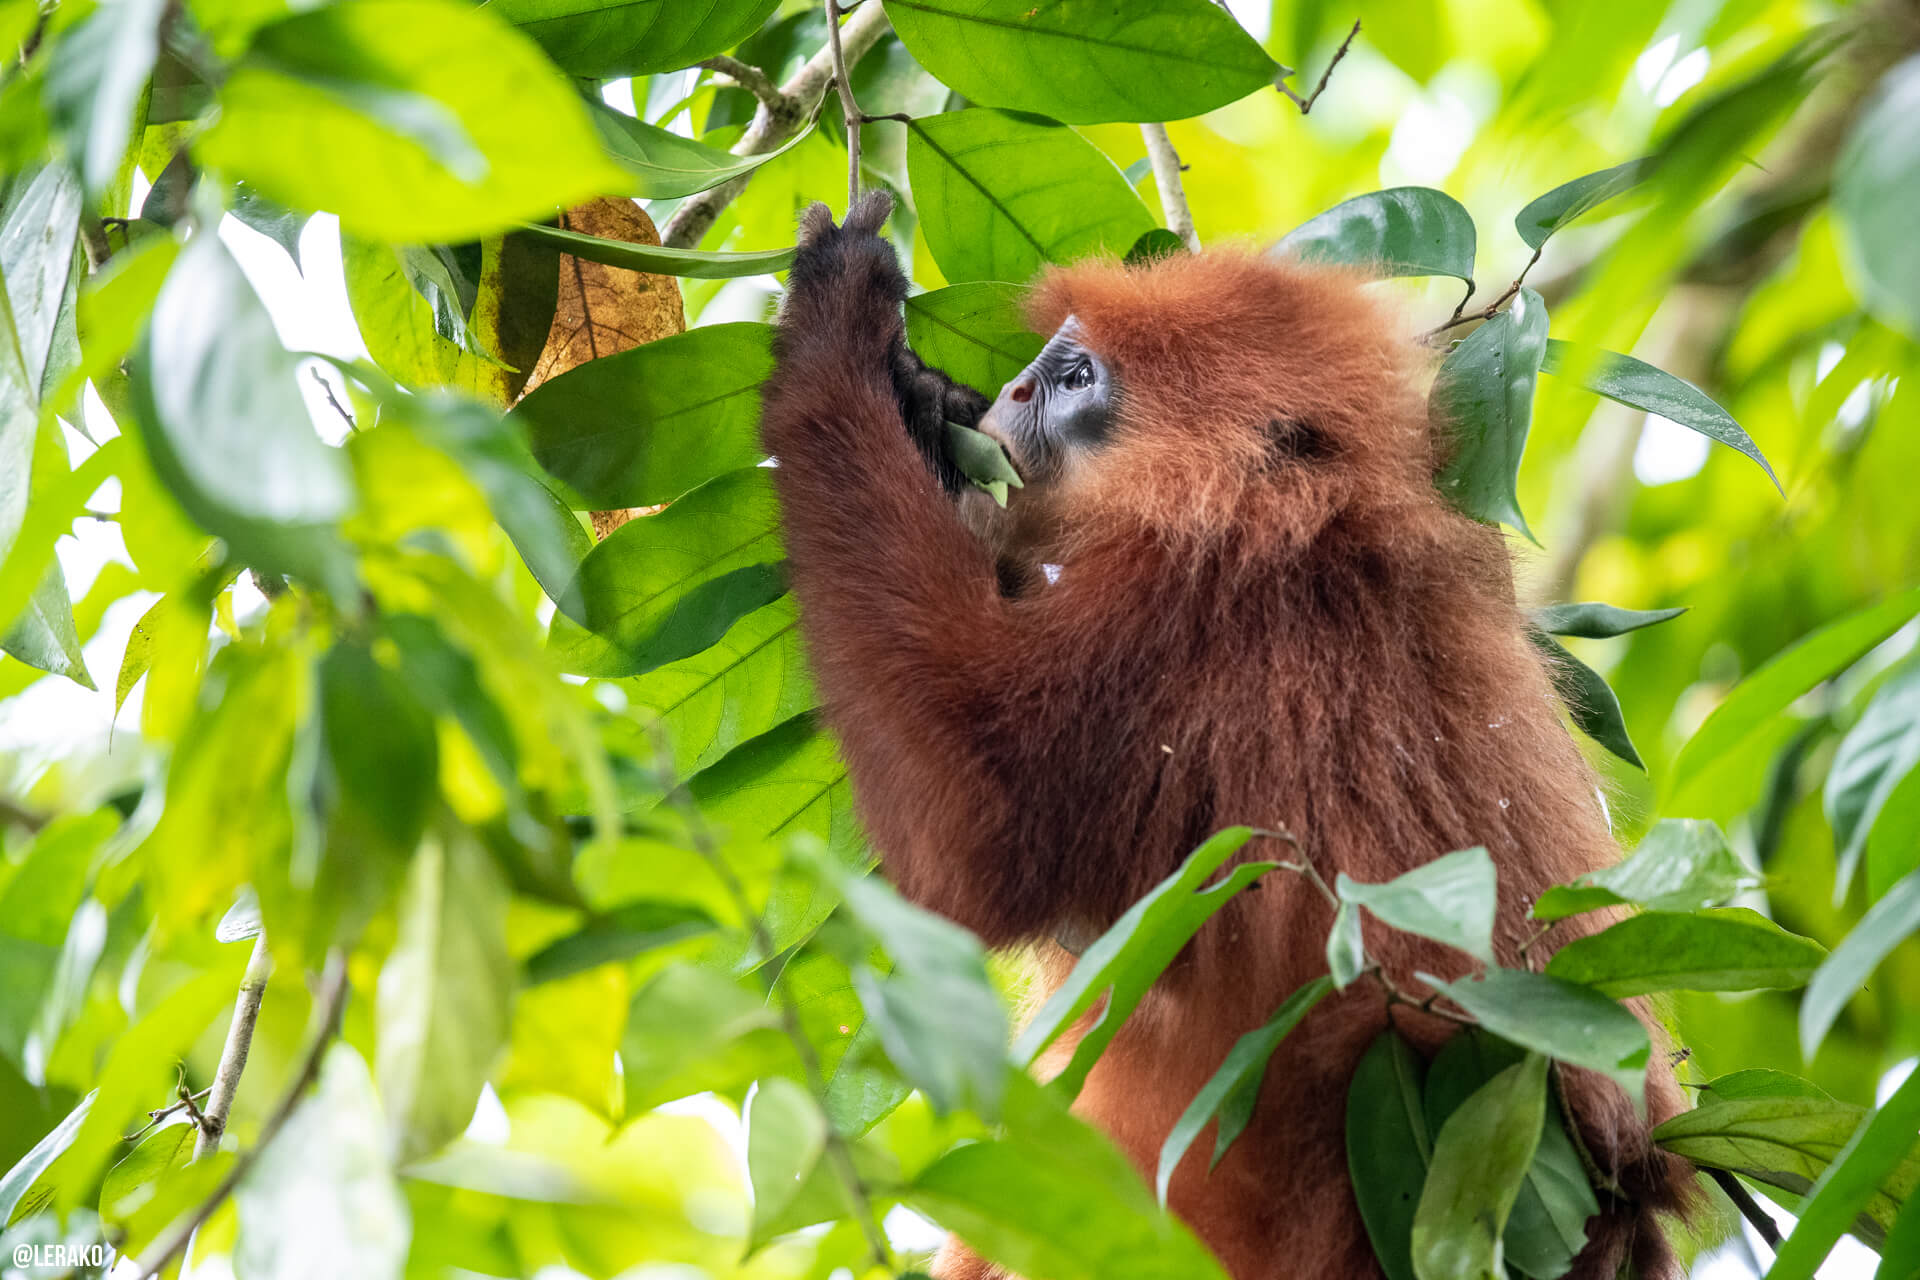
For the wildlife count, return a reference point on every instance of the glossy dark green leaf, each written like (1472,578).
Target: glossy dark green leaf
(1872,762)
(1871,1158)
(95,76)
(1482,401)
(663,165)
(660,260)
(1157,243)
(1554,210)
(666,586)
(1683,864)
(1000,195)
(1389,1147)
(223,421)
(1572,1024)
(1887,924)
(1591,701)
(974,333)
(644,426)
(455,123)
(1876,183)
(1547,1227)
(1786,676)
(1786,1142)
(1232,1090)
(1728,949)
(1480,1161)
(606,39)
(618,934)
(1402,231)
(1450,900)
(1129,957)
(445,993)
(1595,621)
(1642,386)
(1150,60)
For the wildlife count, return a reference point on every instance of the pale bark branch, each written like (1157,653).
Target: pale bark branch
(774,124)
(746,75)
(233,1057)
(1166,179)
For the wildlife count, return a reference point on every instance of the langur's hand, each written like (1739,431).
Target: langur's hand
(846,285)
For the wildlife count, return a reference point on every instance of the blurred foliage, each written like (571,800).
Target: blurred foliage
(539,827)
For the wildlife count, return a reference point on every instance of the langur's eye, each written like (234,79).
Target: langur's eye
(1079,377)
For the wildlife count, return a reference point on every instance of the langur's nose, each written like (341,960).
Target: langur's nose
(1021,392)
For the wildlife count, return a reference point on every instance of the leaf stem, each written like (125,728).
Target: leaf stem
(1462,316)
(1306,104)
(1166,179)
(1749,1207)
(233,1057)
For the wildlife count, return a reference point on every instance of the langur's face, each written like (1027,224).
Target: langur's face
(1058,409)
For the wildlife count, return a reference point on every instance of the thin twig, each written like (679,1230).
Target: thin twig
(1166,179)
(1462,316)
(838,1153)
(746,75)
(333,996)
(338,408)
(1749,1207)
(233,1057)
(849,109)
(1306,104)
(774,124)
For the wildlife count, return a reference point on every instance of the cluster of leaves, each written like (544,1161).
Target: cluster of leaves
(551,817)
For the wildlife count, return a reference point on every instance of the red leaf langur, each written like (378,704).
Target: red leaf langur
(1264,613)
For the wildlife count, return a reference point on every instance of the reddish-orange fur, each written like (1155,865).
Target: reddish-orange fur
(1241,634)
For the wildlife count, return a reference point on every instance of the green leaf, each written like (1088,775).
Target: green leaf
(1129,957)
(130,1183)
(1346,946)
(661,260)
(1875,185)
(751,680)
(1482,400)
(274,221)
(982,460)
(1548,1226)
(607,39)
(786,1134)
(1591,701)
(974,333)
(1870,1159)
(1642,386)
(1388,1148)
(666,586)
(446,680)
(644,426)
(1402,231)
(1762,1082)
(1900,1255)
(1054,1198)
(618,934)
(1232,1090)
(43,635)
(95,76)
(455,124)
(379,782)
(1786,1142)
(1729,949)
(1875,757)
(444,994)
(662,165)
(1887,924)
(1147,61)
(1000,196)
(322,1198)
(1683,864)
(1595,621)
(1480,1160)
(224,424)
(1772,688)
(1450,900)
(1554,210)
(1570,1023)
(16,1182)
(1157,243)
(690,1030)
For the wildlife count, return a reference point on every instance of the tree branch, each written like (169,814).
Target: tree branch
(1749,1207)
(849,109)
(1166,179)
(333,996)
(233,1058)
(774,124)
(746,75)
(1306,104)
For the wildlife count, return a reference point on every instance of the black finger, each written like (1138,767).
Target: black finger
(869,212)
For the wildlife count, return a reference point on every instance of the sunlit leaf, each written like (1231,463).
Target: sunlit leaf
(1402,231)
(94,81)
(1887,924)
(28,1169)
(1158,60)
(1000,195)
(1480,1160)
(1871,1158)
(601,40)
(1450,900)
(1875,757)
(1729,949)
(974,333)
(665,166)
(691,1029)
(1683,864)
(1876,182)
(1570,1023)
(1482,401)
(617,935)
(1554,210)
(786,1133)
